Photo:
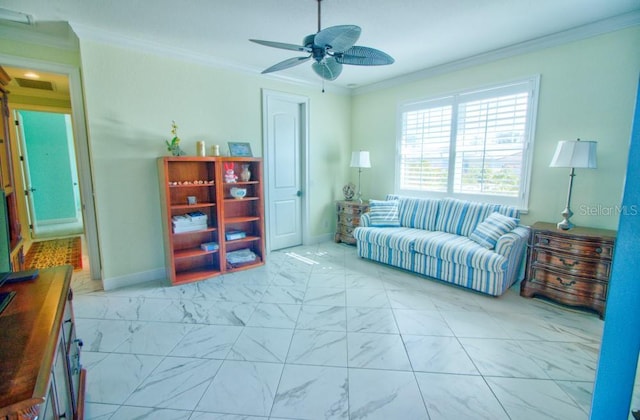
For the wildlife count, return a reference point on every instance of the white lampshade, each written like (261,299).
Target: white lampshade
(575,154)
(360,160)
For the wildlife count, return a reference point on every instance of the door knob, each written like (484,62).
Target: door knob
(299,193)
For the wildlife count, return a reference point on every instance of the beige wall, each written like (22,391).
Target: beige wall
(587,91)
(131,99)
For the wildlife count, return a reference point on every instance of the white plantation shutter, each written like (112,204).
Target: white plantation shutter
(424,157)
(473,144)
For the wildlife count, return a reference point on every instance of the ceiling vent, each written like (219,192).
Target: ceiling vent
(34,84)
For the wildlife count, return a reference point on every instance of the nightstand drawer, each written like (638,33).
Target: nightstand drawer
(573,264)
(584,248)
(355,208)
(349,219)
(571,285)
(346,230)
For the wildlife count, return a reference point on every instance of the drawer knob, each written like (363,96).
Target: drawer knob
(568,283)
(545,241)
(598,250)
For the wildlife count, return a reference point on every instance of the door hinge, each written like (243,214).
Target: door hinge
(21,158)
(17,122)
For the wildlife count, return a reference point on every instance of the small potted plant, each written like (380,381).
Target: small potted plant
(174,145)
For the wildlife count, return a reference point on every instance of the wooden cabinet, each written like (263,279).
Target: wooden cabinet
(348,218)
(194,188)
(7,185)
(41,376)
(571,267)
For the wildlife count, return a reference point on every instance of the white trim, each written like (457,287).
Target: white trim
(82,150)
(575,34)
(31,35)
(134,279)
(106,37)
(303,103)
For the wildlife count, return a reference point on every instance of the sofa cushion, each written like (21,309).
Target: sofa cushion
(461,217)
(419,213)
(460,250)
(384,213)
(493,227)
(400,238)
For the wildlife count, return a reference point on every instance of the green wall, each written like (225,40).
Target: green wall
(586,91)
(131,96)
(131,99)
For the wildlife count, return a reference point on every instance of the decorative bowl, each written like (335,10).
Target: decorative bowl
(238,192)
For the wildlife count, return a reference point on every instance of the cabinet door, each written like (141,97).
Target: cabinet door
(48,409)
(61,385)
(74,367)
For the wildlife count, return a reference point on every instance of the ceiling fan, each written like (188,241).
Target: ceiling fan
(330,48)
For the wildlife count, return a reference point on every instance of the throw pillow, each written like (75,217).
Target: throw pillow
(384,213)
(487,233)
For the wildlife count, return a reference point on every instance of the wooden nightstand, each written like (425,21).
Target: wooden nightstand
(571,267)
(348,218)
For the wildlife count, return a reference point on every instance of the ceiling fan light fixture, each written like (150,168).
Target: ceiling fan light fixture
(330,48)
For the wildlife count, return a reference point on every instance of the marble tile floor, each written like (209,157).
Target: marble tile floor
(320,333)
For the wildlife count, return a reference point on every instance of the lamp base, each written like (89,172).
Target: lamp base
(566,224)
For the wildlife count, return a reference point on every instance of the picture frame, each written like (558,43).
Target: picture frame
(242,149)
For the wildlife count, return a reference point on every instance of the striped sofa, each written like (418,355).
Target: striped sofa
(443,239)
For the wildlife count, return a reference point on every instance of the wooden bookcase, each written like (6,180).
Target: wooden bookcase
(245,214)
(197,184)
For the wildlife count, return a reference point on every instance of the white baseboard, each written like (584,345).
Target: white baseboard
(133,279)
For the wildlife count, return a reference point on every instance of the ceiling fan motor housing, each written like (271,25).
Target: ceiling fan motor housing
(317,52)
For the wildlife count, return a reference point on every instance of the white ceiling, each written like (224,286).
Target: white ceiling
(419,34)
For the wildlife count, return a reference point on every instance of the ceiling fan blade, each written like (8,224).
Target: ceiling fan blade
(281,45)
(328,69)
(363,56)
(340,38)
(286,64)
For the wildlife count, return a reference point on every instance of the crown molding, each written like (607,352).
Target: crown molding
(44,34)
(94,34)
(575,34)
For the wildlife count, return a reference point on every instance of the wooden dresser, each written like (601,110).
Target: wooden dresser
(348,218)
(571,267)
(40,372)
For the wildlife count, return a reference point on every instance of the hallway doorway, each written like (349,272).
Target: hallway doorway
(49,173)
(56,88)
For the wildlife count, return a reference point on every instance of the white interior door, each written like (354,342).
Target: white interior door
(285,136)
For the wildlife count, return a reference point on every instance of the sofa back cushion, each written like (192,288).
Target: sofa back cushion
(418,213)
(461,217)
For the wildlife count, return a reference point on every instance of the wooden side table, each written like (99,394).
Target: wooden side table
(571,267)
(348,218)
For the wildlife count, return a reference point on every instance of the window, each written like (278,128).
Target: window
(474,145)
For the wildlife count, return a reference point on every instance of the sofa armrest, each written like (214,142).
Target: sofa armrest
(516,238)
(513,246)
(365,220)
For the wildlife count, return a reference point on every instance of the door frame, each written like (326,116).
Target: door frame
(83,156)
(303,109)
